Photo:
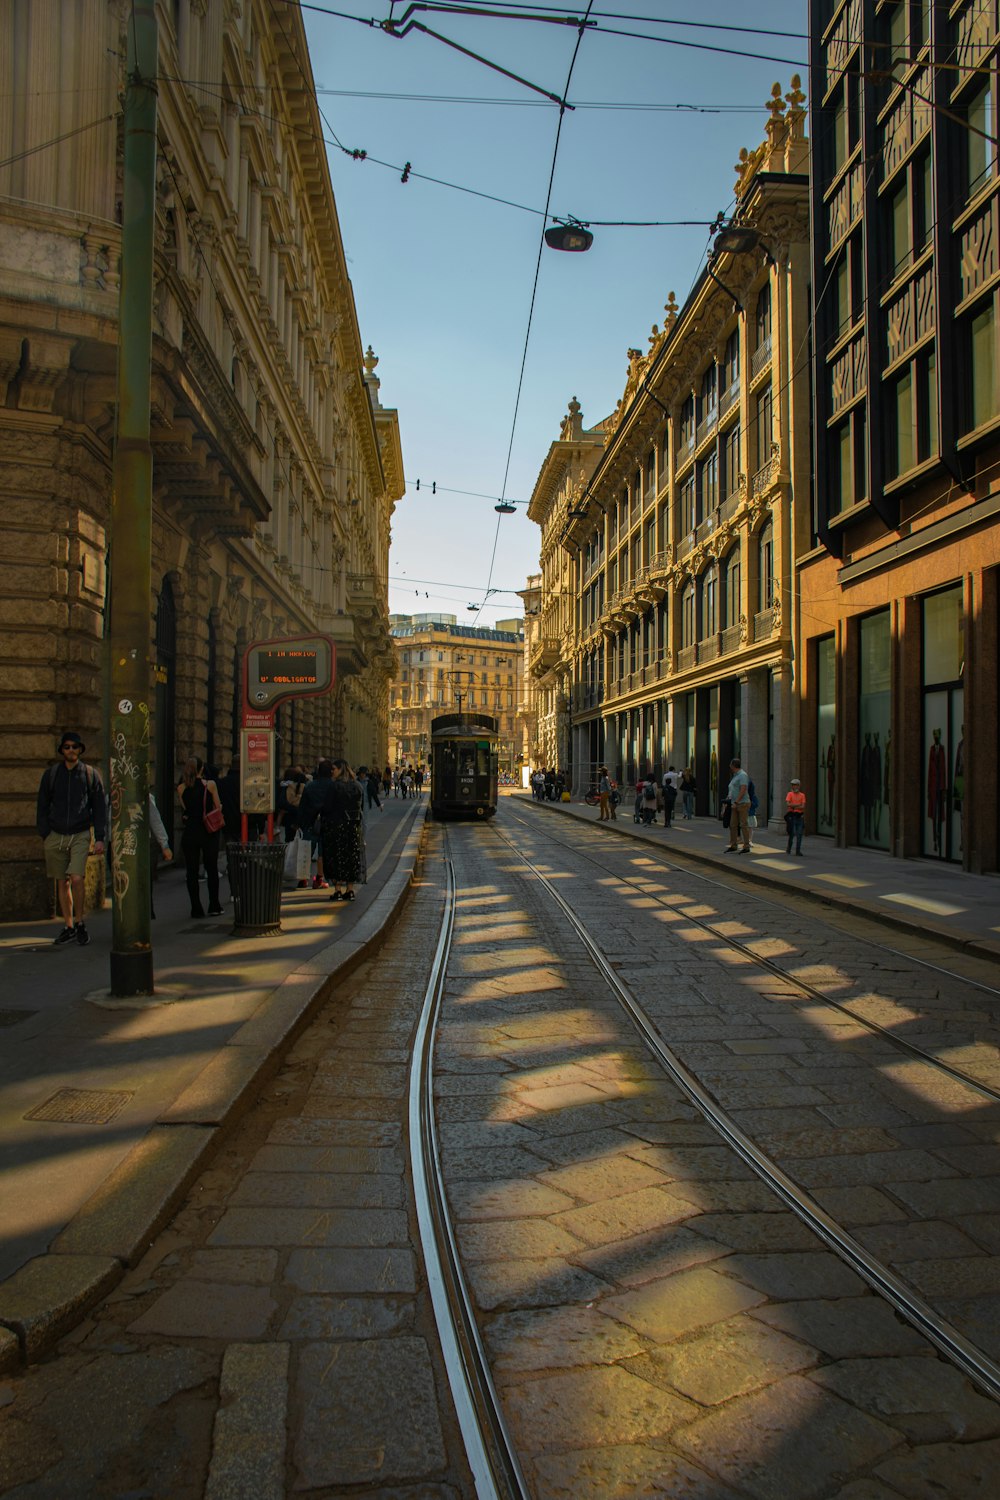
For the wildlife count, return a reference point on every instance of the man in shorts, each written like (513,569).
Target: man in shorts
(71,802)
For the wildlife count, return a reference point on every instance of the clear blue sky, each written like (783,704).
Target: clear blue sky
(443,279)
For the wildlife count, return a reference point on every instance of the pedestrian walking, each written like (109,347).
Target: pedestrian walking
(649,801)
(688,788)
(795,817)
(738,798)
(159,847)
(343,832)
(71,803)
(199,798)
(671,780)
(386,782)
(372,786)
(604,794)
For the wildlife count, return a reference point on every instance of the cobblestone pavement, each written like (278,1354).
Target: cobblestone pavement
(659,1324)
(276,1339)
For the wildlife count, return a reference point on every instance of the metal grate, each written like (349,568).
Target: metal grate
(82,1106)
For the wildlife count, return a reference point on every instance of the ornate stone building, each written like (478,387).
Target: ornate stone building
(445,667)
(679,545)
(527,713)
(556,501)
(275,468)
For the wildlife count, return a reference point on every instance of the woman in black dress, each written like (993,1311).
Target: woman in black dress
(198,796)
(343,834)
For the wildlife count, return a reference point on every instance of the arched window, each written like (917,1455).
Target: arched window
(765,568)
(687,616)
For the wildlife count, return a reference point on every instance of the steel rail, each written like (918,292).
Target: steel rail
(661,857)
(488,1445)
(810,990)
(945,1337)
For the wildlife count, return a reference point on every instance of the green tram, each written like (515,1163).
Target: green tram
(464,765)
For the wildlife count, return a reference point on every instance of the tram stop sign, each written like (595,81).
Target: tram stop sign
(287,667)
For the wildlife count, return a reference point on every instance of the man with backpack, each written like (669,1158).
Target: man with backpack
(71,802)
(740,803)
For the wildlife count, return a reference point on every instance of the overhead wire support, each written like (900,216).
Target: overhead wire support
(399,29)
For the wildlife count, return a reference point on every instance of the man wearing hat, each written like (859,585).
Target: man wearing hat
(71,802)
(795,816)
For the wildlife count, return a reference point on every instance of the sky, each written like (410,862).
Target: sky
(443,279)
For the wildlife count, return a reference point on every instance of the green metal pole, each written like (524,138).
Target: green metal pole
(131,527)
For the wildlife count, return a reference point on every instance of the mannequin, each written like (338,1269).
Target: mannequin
(937,790)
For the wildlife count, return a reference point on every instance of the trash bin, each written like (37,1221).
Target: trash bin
(255,876)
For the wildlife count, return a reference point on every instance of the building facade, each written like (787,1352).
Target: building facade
(681,541)
(275,468)
(557,494)
(445,667)
(528,708)
(901,579)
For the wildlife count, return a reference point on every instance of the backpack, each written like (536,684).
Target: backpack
(754,804)
(293,793)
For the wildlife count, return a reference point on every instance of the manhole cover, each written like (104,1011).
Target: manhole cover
(13,1017)
(81,1106)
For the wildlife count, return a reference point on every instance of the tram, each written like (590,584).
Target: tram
(464,765)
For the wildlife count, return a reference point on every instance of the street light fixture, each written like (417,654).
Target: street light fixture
(733,239)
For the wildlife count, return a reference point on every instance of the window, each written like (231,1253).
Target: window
(731,362)
(710,604)
(923,201)
(709,485)
(762,320)
(903,446)
(843,477)
(763,428)
(731,462)
(687,506)
(842,294)
(765,568)
(898,46)
(982,366)
(685,436)
(927,406)
(981,152)
(687,616)
(840,145)
(900,242)
(709,393)
(734,583)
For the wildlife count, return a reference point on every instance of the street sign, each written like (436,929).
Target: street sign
(286,667)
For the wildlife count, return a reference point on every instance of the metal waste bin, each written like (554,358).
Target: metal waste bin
(255,876)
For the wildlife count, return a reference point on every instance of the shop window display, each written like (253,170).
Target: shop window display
(943,726)
(826,735)
(875,747)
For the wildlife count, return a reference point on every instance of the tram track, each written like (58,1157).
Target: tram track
(491,1452)
(811,991)
(977,1365)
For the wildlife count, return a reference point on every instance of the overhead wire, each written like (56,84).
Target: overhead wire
(531,309)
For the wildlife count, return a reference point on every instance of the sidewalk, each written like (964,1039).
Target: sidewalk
(89,1175)
(923,897)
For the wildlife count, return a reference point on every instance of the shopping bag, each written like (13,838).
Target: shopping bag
(297,858)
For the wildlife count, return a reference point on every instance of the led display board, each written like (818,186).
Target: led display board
(288,667)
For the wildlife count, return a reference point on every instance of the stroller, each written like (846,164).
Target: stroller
(645,803)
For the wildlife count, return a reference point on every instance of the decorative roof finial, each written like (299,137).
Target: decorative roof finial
(671,309)
(370,361)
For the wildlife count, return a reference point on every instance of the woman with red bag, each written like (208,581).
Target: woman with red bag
(201,834)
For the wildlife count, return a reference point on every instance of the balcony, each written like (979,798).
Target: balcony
(707,427)
(729,398)
(730,640)
(766,474)
(708,649)
(687,657)
(544,654)
(685,545)
(763,624)
(729,507)
(760,360)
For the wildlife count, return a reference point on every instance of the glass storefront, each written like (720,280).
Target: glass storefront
(943,666)
(713,752)
(825,797)
(874,730)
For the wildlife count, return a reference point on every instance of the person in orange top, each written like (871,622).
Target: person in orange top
(795,816)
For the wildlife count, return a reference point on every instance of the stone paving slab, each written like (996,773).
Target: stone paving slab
(369,1414)
(248,1448)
